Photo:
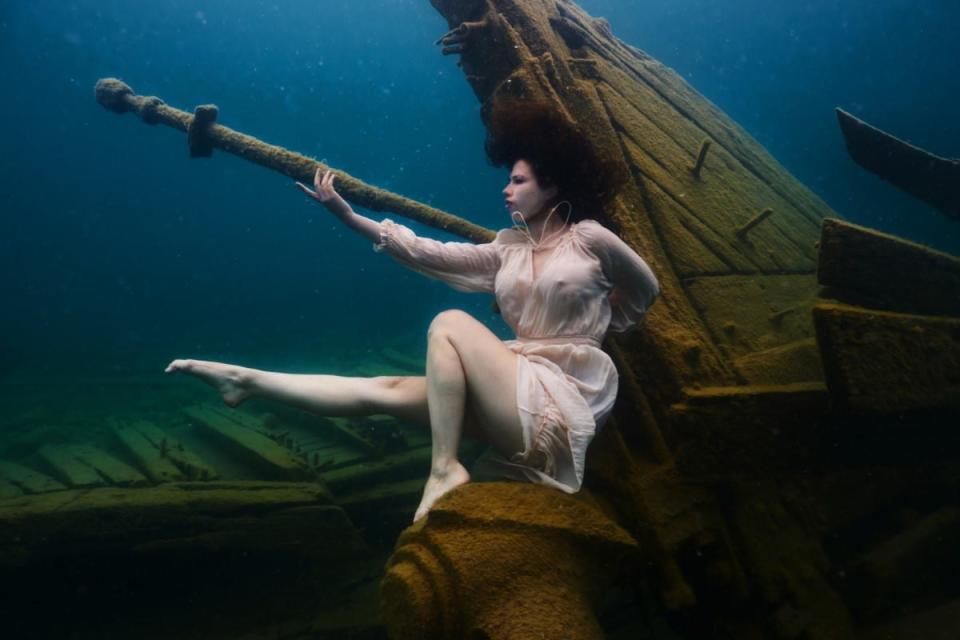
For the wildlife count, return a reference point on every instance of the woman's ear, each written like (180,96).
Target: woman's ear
(551,193)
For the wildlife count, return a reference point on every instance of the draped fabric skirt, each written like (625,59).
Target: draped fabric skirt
(566,387)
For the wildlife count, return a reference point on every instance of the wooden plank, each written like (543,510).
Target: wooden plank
(148,456)
(780,309)
(386,495)
(792,362)
(257,449)
(116,472)
(205,517)
(868,268)
(348,433)
(722,432)
(189,463)
(918,172)
(879,362)
(337,428)
(27,479)
(365,474)
(242,418)
(661,159)
(68,468)
(336,457)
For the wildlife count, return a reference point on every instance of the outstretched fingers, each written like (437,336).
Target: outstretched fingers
(307,190)
(322,185)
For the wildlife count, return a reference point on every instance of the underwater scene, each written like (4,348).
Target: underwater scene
(488,319)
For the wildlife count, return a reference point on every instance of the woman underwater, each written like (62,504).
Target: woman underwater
(561,282)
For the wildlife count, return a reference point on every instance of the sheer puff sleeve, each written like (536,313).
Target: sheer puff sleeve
(462,265)
(635,287)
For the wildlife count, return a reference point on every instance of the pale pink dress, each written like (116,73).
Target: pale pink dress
(566,385)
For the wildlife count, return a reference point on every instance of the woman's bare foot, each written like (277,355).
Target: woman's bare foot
(440,483)
(232,382)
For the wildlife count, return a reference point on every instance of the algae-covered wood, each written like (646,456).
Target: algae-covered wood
(864,266)
(885,362)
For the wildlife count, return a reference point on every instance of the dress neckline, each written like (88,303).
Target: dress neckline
(515,236)
(553,247)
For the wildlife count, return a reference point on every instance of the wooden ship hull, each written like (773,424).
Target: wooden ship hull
(779,463)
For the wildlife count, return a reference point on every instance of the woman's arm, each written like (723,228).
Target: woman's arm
(462,265)
(326,195)
(635,287)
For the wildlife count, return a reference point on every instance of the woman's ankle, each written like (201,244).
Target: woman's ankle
(446,468)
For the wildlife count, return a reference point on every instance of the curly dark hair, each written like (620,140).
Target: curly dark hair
(557,150)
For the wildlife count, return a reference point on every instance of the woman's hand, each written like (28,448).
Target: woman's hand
(324,193)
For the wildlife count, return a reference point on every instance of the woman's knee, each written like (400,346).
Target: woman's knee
(402,396)
(448,322)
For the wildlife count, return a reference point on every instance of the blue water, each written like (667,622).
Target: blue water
(119,252)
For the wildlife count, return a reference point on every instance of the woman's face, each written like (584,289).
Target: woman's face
(524,194)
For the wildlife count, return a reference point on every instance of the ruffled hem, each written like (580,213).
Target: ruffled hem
(549,444)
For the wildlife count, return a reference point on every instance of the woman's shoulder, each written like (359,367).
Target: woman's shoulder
(593,234)
(509,236)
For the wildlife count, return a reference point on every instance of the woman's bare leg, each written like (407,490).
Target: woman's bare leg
(404,397)
(467,365)
(468,369)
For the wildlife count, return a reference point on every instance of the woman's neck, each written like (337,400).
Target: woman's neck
(545,224)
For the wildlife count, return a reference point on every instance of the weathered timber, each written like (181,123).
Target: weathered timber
(388,495)
(874,269)
(331,430)
(67,467)
(337,457)
(438,581)
(364,474)
(783,364)
(27,479)
(148,456)
(241,418)
(42,523)
(885,362)
(725,432)
(191,465)
(271,459)
(115,472)
(930,178)
(784,319)
(116,96)
(349,434)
